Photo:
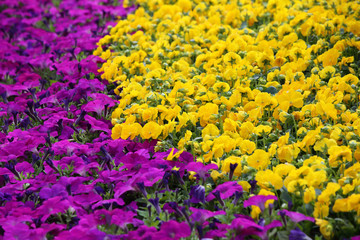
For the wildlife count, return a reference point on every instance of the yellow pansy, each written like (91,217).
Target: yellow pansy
(259,160)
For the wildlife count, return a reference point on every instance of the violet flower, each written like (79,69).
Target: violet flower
(245,226)
(259,200)
(225,190)
(201,169)
(201,215)
(296,216)
(197,194)
(297,234)
(173,230)
(155,203)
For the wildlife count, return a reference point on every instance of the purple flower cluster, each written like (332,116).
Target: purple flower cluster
(61,174)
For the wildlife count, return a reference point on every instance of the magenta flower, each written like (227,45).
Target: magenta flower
(143,232)
(52,206)
(225,190)
(295,216)
(219,230)
(201,215)
(201,169)
(197,194)
(245,226)
(97,124)
(173,230)
(259,200)
(297,234)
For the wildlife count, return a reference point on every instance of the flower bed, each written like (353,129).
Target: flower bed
(267,93)
(234,120)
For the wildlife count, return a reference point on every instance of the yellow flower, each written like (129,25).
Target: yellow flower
(211,131)
(247,146)
(130,130)
(268,179)
(327,72)
(245,185)
(151,130)
(309,195)
(326,228)
(230,125)
(231,58)
(263,99)
(116,131)
(292,97)
(288,153)
(283,116)
(323,144)
(215,175)
(326,109)
(218,150)
(259,160)
(338,155)
(185,5)
(341,205)
(206,111)
(330,190)
(171,155)
(321,210)
(149,114)
(221,87)
(208,80)
(230,74)
(255,212)
(296,185)
(330,57)
(185,139)
(232,160)
(262,129)
(246,128)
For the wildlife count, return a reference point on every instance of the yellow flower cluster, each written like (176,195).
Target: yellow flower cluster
(269,85)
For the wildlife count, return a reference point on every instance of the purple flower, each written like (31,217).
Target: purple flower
(219,230)
(109,202)
(259,200)
(245,226)
(297,234)
(143,232)
(295,216)
(53,191)
(226,190)
(148,177)
(121,218)
(201,169)
(201,215)
(173,230)
(84,233)
(155,203)
(197,194)
(97,124)
(52,206)
(85,200)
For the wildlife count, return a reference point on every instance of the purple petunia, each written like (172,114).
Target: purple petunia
(225,190)
(245,226)
(259,200)
(201,215)
(173,230)
(295,216)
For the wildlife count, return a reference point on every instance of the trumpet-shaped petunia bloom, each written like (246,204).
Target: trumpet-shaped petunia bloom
(259,200)
(226,190)
(295,216)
